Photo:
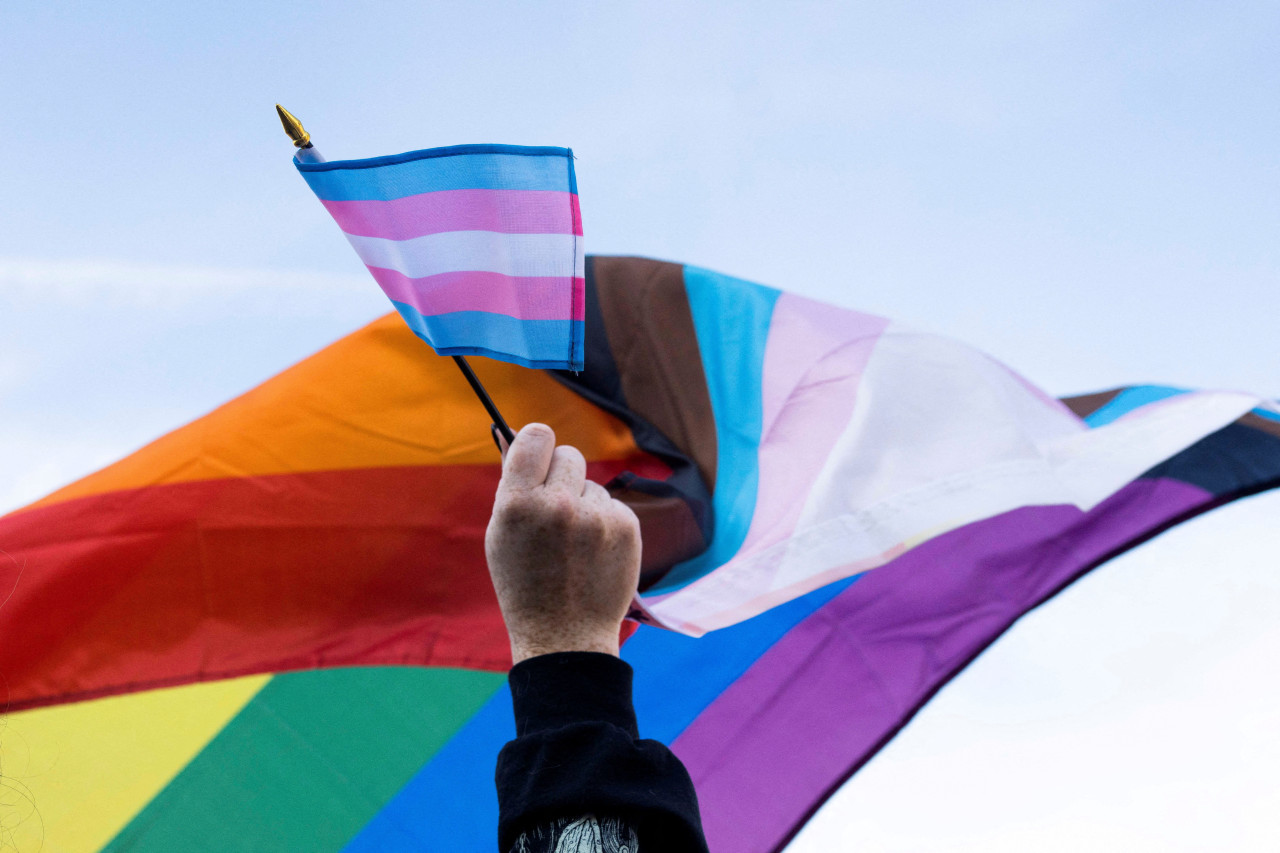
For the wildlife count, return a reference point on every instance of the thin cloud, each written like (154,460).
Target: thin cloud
(128,281)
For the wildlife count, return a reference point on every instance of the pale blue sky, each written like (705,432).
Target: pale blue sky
(1088,190)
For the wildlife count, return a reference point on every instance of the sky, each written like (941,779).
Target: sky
(1089,191)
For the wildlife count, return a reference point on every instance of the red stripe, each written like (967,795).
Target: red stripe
(211,579)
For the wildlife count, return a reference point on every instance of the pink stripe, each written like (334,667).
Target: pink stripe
(525,298)
(813,363)
(504,211)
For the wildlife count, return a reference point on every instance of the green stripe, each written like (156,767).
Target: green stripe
(309,760)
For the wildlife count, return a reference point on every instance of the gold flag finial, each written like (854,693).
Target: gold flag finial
(293,127)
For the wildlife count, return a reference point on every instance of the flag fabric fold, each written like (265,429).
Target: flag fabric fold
(827,442)
(306,562)
(478,247)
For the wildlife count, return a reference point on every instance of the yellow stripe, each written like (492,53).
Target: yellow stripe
(74,775)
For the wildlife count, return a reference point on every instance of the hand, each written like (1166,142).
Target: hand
(563,555)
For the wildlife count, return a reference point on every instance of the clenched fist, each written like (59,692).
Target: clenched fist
(563,555)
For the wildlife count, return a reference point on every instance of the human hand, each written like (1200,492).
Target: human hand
(563,555)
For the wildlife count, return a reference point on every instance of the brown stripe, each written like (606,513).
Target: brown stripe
(655,348)
(1265,424)
(1086,404)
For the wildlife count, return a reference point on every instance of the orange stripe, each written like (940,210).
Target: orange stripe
(376,398)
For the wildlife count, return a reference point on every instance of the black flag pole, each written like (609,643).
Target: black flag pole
(485,399)
(307,153)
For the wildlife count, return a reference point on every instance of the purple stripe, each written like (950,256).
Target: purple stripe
(504,211)
(524,297)
(828,695)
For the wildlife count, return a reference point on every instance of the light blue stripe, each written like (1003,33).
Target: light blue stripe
(1129,399)
(451,803)
(432,174)
(552,344)
(1140,395)
(322,165)
(731,318)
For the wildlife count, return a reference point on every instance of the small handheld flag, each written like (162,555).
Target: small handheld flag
(479,247)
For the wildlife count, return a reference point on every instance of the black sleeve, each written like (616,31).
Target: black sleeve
(577,752)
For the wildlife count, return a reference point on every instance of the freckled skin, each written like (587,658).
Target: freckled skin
(563,555)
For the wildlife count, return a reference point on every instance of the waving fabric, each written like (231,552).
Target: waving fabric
(479,247)
(282,607)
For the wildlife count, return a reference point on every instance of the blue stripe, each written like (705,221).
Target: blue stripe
(451,805)
(1129,399)
(458,168)
(677,677)
(428,153)
(573,175)
(552,344)
(731,318)
(1140,395)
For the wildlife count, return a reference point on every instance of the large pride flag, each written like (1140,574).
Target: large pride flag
(479,247)
(273,628)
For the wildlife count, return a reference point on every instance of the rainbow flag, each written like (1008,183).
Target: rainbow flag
(479,247)
(273,627)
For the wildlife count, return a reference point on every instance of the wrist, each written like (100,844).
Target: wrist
(524,647)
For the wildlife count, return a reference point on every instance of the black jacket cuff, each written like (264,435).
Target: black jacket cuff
(577,752)
(557,690)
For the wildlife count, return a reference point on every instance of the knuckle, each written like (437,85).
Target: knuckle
(599,523)
(626,527)
(538,432)
(621,508)
(514,509)
(568,452)
(626,516)
(559,509)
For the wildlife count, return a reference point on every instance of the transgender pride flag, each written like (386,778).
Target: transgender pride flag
(479,247)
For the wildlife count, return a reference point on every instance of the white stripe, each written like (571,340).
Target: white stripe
(941,436)
(1097,463)
(475,251)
